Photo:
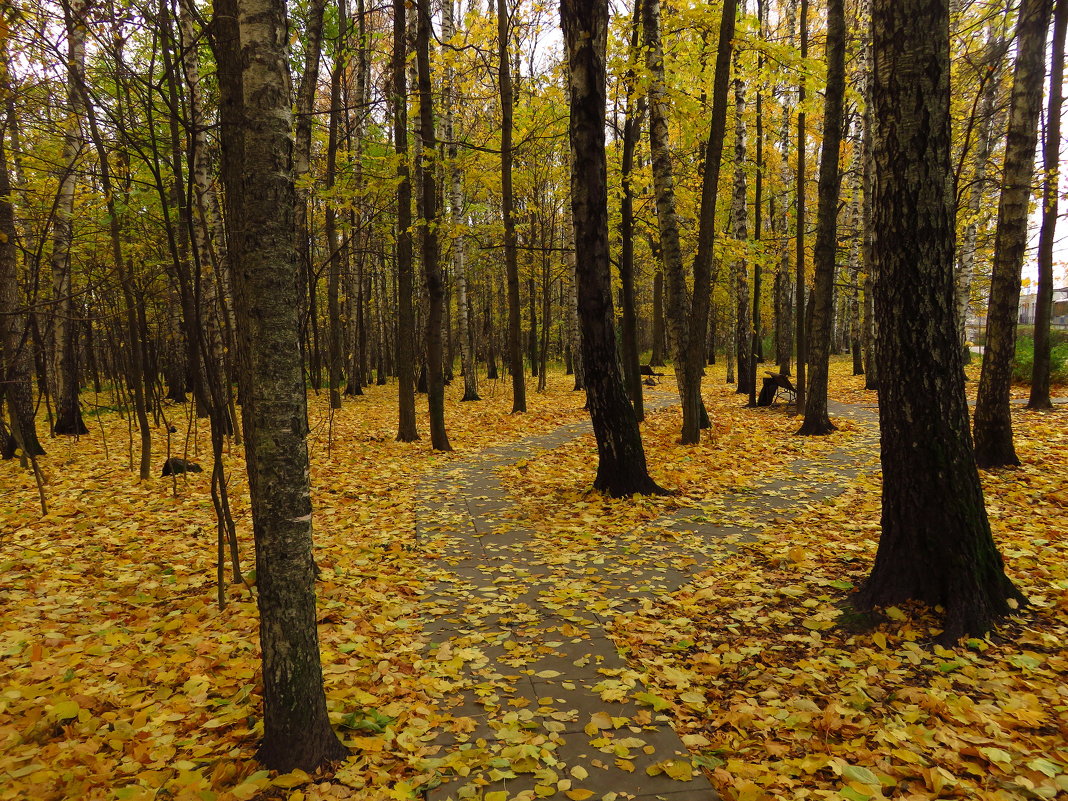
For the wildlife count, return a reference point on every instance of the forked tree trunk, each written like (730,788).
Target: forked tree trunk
(621,468)
(257,135)
(817,422)
(936,545)
(993,419)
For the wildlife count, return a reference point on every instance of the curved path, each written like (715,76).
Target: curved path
(543,703)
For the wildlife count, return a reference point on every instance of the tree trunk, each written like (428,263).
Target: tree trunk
(686,320)
(405,344)
(511,258)
(656,358)
(456,206)
(65,356)
(296,729)
(631,132)
(621,469)
(936,545)
(15,359)
(139,383)
(993,420)
(1051,161)
(801,329)
(743,328)
(335,336)
(817,421)
(435,281)
(756,351)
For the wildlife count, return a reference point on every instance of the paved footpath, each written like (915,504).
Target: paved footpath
(544,704)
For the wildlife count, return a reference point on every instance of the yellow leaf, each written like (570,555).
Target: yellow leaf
(65,710)
(579,795)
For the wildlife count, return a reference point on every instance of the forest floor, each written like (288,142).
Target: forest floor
(120,677)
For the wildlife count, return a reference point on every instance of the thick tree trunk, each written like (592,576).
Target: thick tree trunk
(993,420)
(621,468)
(405,344)
(296,730)
(936,545)
(817,421)
(1051,161)
(511,257)
(435,280)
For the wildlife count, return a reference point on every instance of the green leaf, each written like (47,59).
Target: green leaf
(855,773)
(1051,769)
(655,701)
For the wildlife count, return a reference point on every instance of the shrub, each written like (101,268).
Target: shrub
(1023,364)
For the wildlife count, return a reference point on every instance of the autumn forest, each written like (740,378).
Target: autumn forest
(513,401)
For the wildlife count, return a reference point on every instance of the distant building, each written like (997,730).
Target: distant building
(1060,308)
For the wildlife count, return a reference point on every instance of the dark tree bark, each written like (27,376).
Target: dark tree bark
(335,356)
(435,280)
(993,418)
(936,545)
(305,106)
(297,731)
(687,317)
(801,329)
(15,385)
(817,422)
(405,344)
(65,367)
(739,231)
(656,359)
(631,132)
(1051,150)
(511,257)
(532,305)
(756,351)
(621,468)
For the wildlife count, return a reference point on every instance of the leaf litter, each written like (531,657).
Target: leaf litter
(122,679)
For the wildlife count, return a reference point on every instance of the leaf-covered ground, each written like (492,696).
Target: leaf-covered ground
(120,678)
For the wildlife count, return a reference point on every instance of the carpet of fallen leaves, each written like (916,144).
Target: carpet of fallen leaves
(120,678)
